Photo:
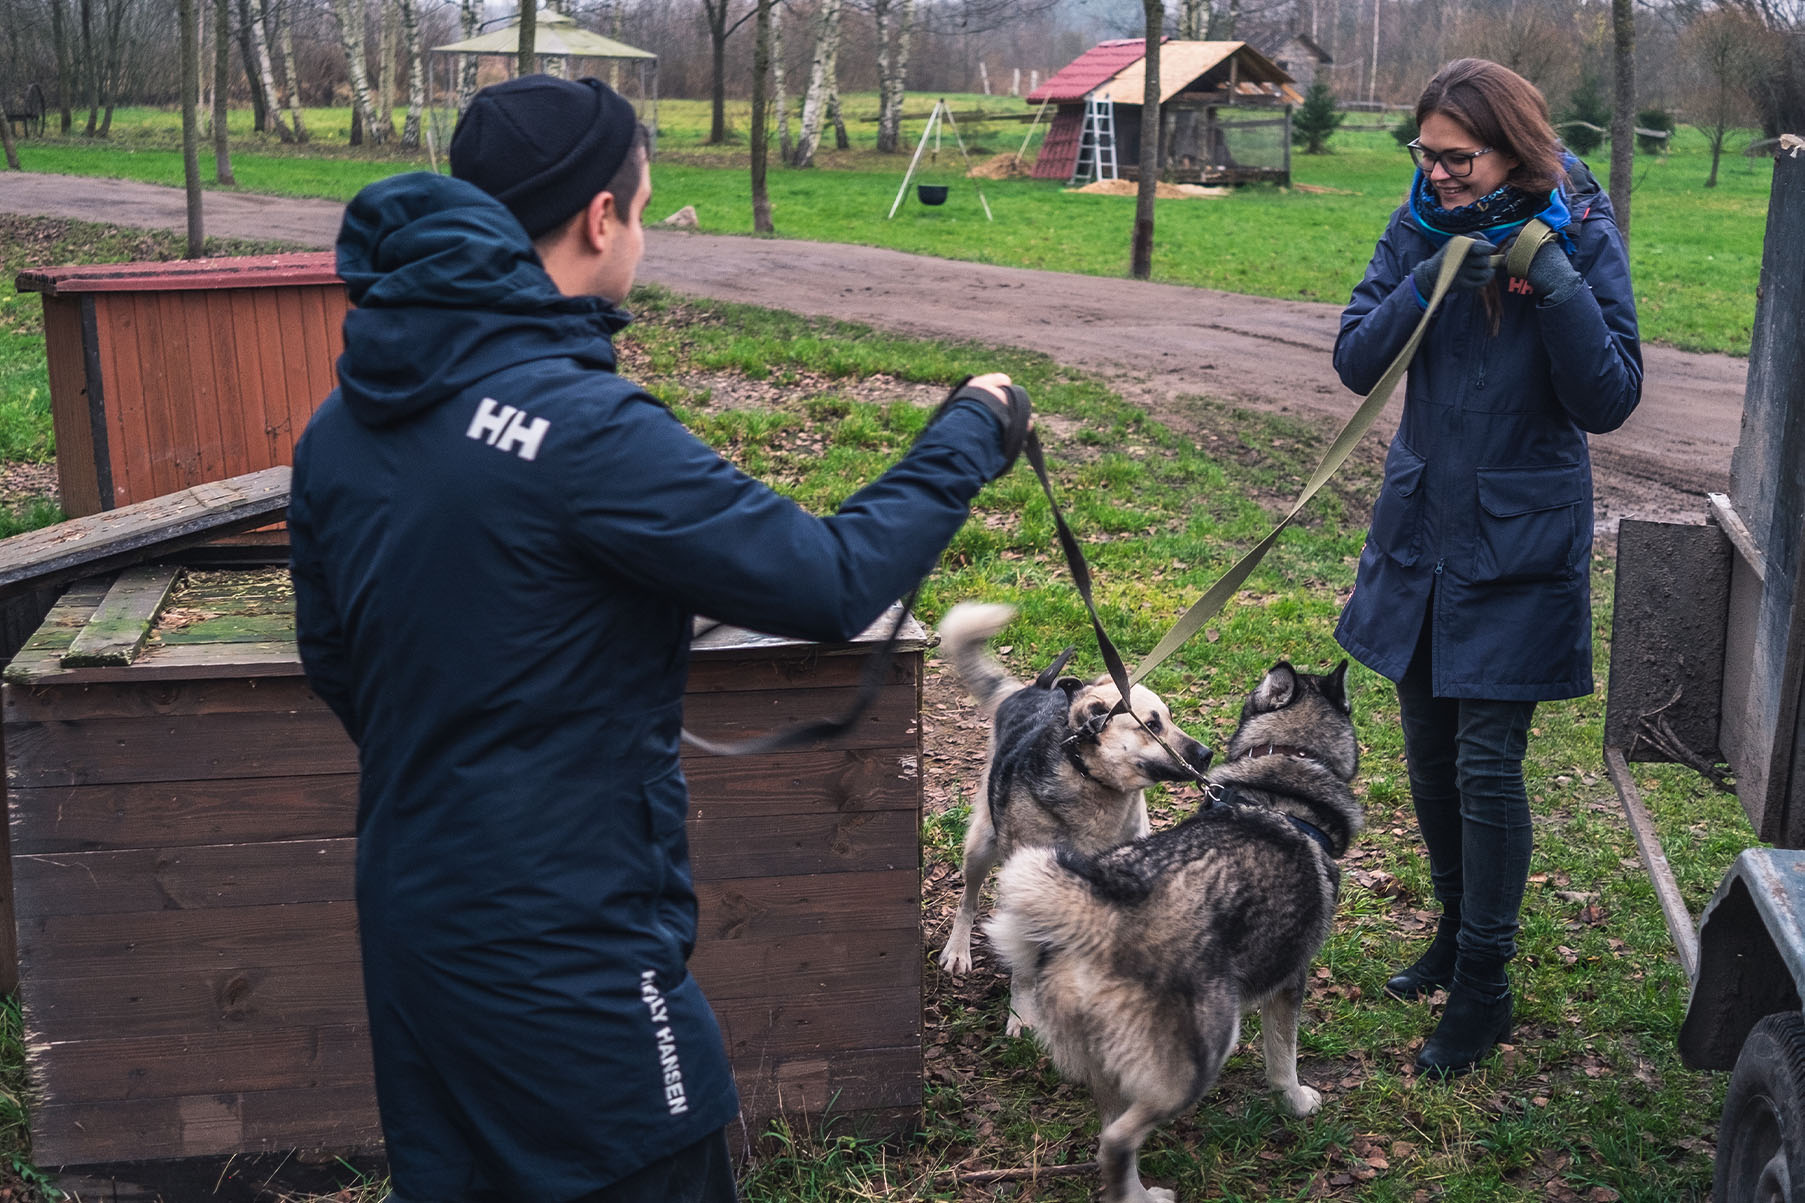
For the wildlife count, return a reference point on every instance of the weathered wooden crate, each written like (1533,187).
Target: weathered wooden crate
(168,375)
(182,849)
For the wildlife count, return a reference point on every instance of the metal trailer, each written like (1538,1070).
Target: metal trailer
(1707,668)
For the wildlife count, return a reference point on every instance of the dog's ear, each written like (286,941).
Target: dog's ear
(1334,687)
(1046,679)
(1088,726)
(1277,687)
(1070,687)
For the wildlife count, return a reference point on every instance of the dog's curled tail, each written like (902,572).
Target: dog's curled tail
(1041,905)
(964,631)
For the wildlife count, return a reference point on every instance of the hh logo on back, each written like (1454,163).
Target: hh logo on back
(507,429)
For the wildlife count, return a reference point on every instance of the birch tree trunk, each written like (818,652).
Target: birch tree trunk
(290,69)
(416,73)
(351,36)
(895,21)
(556,65)
(1194,20)
(222,82)
(780,93)
(820,82)
(761,67)
(387,14)
(1149,170)
(260,101)
(115,60)
(614,30)
(1623,113)
(260,47)
(189,37)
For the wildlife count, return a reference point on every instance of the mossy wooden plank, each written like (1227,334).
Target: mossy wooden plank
(145,530)
(122,621)
(230,628)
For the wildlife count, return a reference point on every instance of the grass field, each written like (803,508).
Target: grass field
(1695,253)
(1591,1103)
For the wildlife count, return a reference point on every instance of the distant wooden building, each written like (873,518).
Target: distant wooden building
(1226,108)
(1297,55)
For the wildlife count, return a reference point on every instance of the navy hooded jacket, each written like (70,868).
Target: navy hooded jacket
(498,546)
(1486,506)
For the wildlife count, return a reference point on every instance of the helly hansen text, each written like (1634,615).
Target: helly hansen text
(507,429)
(667,1042)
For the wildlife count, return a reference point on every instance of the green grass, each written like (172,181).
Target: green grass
(1695,254)
(1592,1100)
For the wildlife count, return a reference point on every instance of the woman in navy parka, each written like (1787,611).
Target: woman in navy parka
(498,544)
(1474,588)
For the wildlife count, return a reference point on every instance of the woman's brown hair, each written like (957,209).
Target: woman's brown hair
(1502,110)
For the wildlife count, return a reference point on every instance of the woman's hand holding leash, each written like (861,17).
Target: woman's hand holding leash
(1007,401)
(1553,275)
(1476,269)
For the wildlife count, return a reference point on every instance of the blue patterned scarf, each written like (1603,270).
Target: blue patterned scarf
(1495,217)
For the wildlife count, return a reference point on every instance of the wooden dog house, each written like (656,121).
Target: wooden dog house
(182,812)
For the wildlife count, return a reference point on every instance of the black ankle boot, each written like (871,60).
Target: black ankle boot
(1478,1018)
(1434,970)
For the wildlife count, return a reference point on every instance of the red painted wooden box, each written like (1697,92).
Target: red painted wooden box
(168,375)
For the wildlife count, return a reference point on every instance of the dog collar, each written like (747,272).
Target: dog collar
(1070,746)
(1314,832)
(1276,750)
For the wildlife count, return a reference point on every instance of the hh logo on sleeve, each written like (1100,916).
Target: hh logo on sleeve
(507,429)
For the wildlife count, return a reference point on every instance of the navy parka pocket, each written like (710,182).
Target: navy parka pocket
(1529,522)
(1397,515)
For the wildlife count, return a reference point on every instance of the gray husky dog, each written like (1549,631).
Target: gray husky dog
(1060,772)
(1133,967)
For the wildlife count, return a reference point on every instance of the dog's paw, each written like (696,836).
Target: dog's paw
(956,958)
(1015,1026)
(1159,1194)
(1303,1100)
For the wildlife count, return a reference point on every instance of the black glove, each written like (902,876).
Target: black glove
(1553,275)
(1476,270)
(1012,413)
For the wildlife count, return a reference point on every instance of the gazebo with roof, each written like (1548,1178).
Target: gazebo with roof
(558,36)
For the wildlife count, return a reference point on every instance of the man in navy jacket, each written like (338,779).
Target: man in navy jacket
(498,545)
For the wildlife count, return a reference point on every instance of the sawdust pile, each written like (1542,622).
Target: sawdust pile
(1003,167)
(1161,190)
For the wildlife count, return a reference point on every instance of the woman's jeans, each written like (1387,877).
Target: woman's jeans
(1466,779)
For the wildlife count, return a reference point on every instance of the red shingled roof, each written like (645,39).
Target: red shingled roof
(1081,76)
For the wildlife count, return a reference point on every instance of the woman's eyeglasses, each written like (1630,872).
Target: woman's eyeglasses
(1457,163)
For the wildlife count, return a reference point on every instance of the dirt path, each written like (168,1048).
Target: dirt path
(1266,354)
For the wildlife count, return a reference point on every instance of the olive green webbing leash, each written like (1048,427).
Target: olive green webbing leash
(1217,595)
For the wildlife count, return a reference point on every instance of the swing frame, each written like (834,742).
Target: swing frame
(942,112)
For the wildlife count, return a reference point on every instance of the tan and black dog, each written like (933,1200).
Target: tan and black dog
(1133,967)
(1058,774)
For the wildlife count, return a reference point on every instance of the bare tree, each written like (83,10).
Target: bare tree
(64,75)
(779,93)
(187,17)
(895,24)
(6,144)
(285,42)
(527,61)
(90,71)
(1148,184)
(1727,49)
(761,67)
(255,15)
(1194,19)
(222,81)
(822,70)
(388,20)
(351,37)
(1623,112)
(416,72)
(470,17)
(721,26)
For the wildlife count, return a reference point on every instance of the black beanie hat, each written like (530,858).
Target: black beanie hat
(543,146)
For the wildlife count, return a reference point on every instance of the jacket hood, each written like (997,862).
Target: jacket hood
(448,290)
(1583,190)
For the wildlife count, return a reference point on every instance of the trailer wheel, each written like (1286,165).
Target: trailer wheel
(1761,1142)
